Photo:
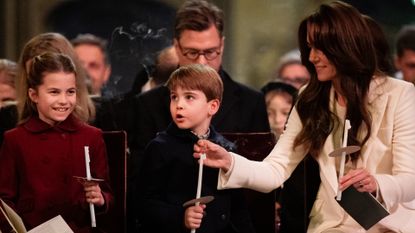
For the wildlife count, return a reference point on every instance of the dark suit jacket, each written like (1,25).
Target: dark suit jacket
(169,179)
(242,110)
(116,112)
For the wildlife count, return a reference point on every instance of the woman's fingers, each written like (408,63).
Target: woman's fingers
(361,179)
(216,156)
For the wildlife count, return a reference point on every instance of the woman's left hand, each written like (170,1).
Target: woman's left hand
(361,179)
(93,193)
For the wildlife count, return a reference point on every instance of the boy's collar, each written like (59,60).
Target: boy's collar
(186,133)
(203,136)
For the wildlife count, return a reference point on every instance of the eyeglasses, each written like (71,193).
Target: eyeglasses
(193,54)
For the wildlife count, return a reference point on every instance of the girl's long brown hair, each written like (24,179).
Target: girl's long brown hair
(57,43)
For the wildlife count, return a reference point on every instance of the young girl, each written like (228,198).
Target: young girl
(279,99)
(57,43)
(40,157)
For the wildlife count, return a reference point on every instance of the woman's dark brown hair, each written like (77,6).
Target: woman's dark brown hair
(341,33)
(383,54)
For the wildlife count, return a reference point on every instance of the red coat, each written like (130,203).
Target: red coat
(37,165)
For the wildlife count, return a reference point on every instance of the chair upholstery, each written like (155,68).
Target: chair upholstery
(116,144)
(256,146)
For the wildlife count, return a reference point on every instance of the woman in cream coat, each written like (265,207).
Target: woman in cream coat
(339,53)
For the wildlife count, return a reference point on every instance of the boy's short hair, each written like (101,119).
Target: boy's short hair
(197,77)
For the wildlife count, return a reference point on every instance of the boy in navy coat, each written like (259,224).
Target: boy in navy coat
(170,176)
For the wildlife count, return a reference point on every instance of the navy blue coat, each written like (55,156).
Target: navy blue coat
(169,179)
(242,110)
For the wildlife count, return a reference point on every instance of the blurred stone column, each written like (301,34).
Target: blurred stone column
(262,31)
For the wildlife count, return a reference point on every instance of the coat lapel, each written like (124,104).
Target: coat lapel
(328,163)
(377,107)
(377,103)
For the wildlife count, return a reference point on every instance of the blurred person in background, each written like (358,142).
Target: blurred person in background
(92,53)
(8,71)
(405,53)
(8,111)
(291,70)
(279,99)
(166,62)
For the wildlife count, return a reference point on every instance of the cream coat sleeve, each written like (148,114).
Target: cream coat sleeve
(396,167)
(398,185)
(270,173)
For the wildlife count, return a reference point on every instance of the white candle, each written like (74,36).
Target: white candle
(200,178)
(347,126)
(88,177)
(199,182)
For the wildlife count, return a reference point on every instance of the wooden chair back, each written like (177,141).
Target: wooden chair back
(256,146)
(116,144)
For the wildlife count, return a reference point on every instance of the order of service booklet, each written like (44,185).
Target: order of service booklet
(54,225)
(362,207)
(10,222)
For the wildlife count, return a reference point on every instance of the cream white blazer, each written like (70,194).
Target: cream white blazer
(389,155)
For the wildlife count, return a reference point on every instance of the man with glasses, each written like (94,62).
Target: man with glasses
(199,39)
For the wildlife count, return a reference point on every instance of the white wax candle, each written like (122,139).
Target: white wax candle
(199,182)
(347,126)
(200,178)
(88,177)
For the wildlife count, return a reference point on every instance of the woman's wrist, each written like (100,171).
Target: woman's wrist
(228,163)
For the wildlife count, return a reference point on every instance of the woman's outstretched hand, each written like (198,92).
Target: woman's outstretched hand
(216,156)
